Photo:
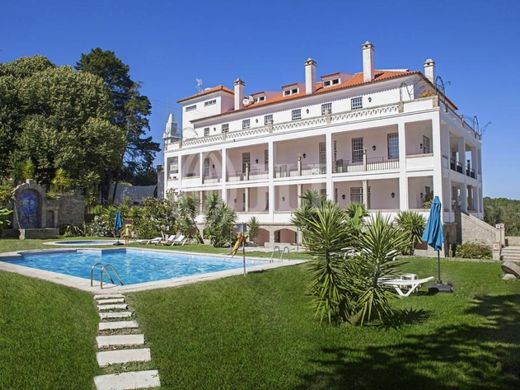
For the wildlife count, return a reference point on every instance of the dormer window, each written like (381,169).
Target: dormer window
(210,102)
(190,108)
(331,82)
(259,99)
(290,91)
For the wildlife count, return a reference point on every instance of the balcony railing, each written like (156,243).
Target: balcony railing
(456,166)
(211,177)
(368,164)
(299,169)
(250,172)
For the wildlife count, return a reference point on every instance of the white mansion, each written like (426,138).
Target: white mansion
(388,138)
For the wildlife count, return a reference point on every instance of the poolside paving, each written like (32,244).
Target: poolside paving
(113,348)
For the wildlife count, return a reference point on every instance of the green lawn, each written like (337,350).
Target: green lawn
(47,335)
(258,331)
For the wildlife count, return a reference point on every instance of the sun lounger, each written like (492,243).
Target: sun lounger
(180,240)
(154,240)
(170,239)
(404,287)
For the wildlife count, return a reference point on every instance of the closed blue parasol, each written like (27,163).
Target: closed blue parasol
(118,223)
(434,237)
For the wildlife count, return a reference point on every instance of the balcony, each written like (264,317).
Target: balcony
(249,172)
(299,169)
(368,164)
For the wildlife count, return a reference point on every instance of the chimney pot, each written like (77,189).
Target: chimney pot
(429,69)
(368,61)
(310,76)
(239,93)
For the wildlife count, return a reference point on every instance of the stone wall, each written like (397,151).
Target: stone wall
(513,240)
(71,210)
(476,230)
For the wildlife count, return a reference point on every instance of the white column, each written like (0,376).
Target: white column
(365,193)
(299,194)
(224,175)
(246,206)
(403,178)
(328,167)
(201,167)
(166,177)
(437,158)
(270,153)
(180,172)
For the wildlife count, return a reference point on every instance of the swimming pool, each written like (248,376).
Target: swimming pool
(133,265)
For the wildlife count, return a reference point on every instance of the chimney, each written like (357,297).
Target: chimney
(368,62)
(239,93)
(310,75)
(429,70)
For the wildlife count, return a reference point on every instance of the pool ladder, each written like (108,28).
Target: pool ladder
(277,250)
(104,268)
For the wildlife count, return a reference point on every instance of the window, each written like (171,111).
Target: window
(246,124)
(322,156)
(335,151)
(328,83)
(246,160)
(266,160)
(393,146)
(426,144)
(356,195)
(294,90)
(210,102)
(268,120)
(326,109)
(206,167)
(190,108)
(287,92)
(173,165)
(357,150)
(225,127)
(356,103)
(259,99)
(206,131)
(296,114)
(291,91)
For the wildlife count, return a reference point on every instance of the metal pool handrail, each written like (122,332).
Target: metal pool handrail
(104,268)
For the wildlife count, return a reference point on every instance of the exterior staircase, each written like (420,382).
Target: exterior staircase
(511,253)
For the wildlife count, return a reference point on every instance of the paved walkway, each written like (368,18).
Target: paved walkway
(121,347)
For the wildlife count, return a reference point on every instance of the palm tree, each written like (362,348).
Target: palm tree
(187,212)
(412,224)
(326,232)
(220,221)
(380,243)
(252,228)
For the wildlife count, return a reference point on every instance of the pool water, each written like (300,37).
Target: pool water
(133,265)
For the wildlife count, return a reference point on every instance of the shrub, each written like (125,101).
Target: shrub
(412,224)
(473,250)
(252,228)
(4,218)
(186,213)
(220,222)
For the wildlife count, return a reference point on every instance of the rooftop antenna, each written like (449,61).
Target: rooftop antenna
(199,84)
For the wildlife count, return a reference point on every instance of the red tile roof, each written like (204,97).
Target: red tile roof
(354,81)
(207,91)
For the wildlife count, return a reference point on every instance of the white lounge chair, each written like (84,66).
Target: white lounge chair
(405,287)
(169,240)
(180,240)
(154,240)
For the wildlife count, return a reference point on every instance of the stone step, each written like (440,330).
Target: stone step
(106,358)
(108,296)
(118,325)
(510,258)
(116,306)
(110,301)
(115,314)
(119,340)
(128,380)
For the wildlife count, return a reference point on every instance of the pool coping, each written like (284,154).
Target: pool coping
(84,284)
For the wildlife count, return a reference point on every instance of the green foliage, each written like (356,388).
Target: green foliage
(412,224)
(6,192)
(4,218)
(427,202)
(186,212)
(502,210)
(252,228)
(130,112)
(473,250)
(378,247)
(155,217)
(325,232)
(56,118)
(220,221)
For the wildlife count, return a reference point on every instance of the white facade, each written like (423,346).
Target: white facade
(387,141)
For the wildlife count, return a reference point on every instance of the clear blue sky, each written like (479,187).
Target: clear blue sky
(168,44)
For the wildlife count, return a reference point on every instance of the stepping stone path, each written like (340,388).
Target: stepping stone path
(118,332)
